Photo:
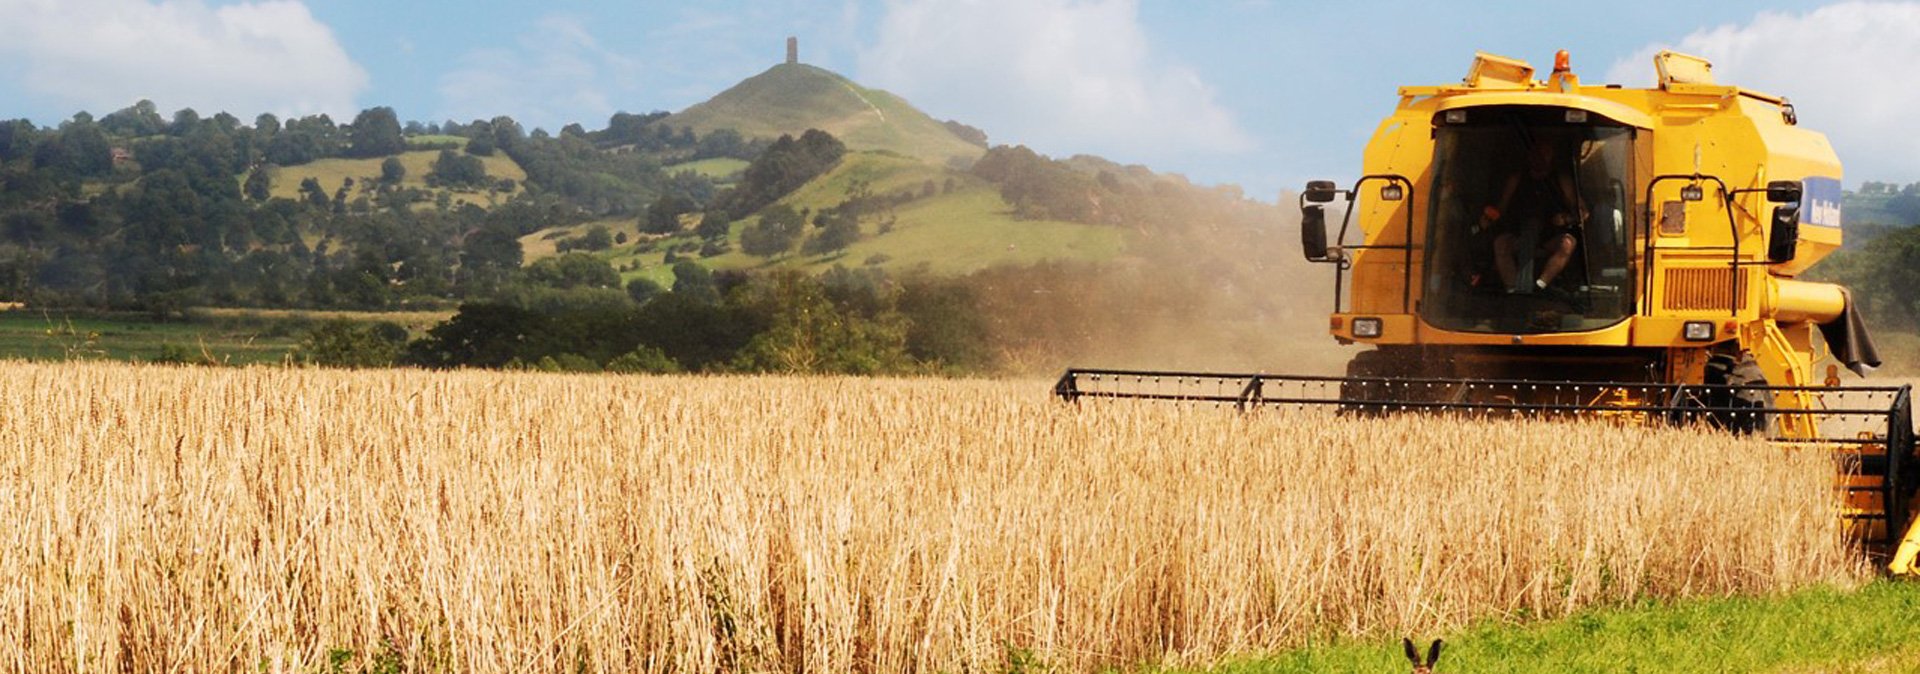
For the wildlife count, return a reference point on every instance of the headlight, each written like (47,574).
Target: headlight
(1366,327)
(1696,331)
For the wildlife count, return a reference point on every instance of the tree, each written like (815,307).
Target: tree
(453,169)
(596,238)
(488,255)
(392,171)
(1038,187)
(663,215)
(259,187)
(809,333)
(139,120)
(375,133)
(714,225)
(315,195)
(786,165)
(573,270)
(839,230)
(722,143)
(79,148)
(344,343)
(17,139)
(481,145)
(694,282)
(184,122)
(507,133)
(644,360)
(480,335)
(643,289)
(779,227)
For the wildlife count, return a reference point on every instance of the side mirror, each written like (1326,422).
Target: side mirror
(1784,191)
(1783,238)
(1313,232)
(1320,191)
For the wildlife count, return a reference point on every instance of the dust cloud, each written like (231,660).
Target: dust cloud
(1229,290)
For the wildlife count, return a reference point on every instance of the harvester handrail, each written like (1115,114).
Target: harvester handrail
(1652,247)
(1346,220)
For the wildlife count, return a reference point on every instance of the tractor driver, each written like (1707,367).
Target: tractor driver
(1537,202)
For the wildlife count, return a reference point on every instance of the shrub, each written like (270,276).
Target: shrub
(344,343)
(644,360)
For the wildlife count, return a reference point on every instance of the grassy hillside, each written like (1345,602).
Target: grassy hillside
(544,243)
(956,231)
(791,98)
(332,172)
(722,169)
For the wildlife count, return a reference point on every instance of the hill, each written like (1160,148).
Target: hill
(957,223)
(791,98)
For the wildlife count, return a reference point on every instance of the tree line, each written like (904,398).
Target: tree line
(139,211)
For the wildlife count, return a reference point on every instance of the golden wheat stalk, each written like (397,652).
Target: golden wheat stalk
(175,519)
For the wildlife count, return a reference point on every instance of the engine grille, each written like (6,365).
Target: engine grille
(1703,289)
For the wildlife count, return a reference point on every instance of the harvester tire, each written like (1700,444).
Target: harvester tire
(1727,371)
(1364,397)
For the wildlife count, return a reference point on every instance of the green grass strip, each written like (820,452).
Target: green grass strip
(1875,628)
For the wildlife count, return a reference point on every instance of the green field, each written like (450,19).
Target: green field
(431,141)
(1873,629)
(331,173)
(34,335)
(224,336)
(721,169)
(545,243)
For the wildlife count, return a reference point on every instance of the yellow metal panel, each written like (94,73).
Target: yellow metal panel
(1498,72)
(1619,334)
(1671,332)
(1677,68)
(1802,302)
(1599,106)
(1394,328)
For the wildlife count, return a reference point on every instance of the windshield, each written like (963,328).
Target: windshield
(1529,223)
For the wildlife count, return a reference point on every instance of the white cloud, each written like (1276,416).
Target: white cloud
(1066,76)
(1852,71)
(555,75)
(246,58)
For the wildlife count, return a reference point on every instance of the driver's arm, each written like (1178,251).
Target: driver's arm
(1573,197)
(1493,212)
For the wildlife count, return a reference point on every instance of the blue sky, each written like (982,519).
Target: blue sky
(1263,94)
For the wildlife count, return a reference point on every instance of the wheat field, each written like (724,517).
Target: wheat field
(263,519)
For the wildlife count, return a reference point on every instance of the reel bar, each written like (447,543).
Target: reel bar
(1868,441)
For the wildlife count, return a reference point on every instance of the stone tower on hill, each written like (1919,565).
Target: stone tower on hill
(793,50)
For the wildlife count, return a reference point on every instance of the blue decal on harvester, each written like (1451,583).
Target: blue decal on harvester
(1820,202)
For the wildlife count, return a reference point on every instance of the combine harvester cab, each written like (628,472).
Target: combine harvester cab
(1556,249)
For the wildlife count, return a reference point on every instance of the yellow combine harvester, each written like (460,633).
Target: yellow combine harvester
(1556,248)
